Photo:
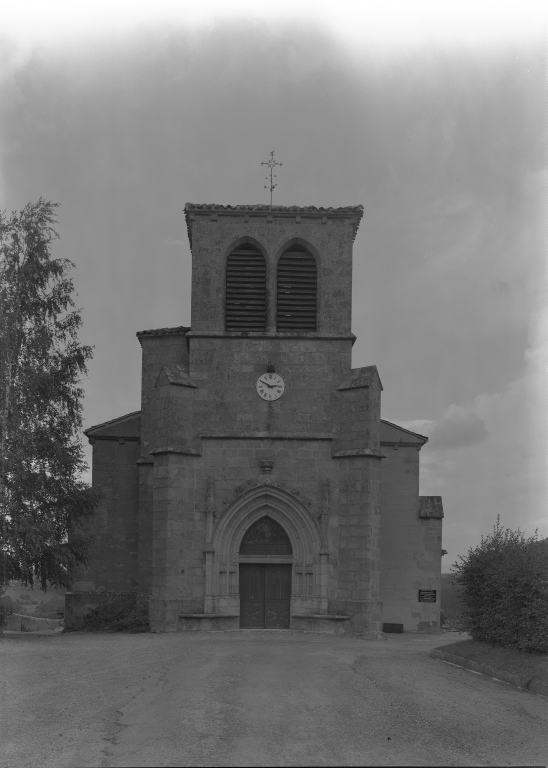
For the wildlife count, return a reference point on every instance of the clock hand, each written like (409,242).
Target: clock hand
(272,386)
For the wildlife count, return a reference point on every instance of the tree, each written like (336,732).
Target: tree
(504,590)
(42,494)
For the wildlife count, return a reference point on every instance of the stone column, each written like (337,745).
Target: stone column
(177,550)
(324,551)
(177,555)
(146,482)
(209,551)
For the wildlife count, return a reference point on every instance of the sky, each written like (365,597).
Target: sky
(430,115)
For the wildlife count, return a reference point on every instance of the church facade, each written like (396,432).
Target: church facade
(258,486)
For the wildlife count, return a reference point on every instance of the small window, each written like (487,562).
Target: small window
(266,537)
(297,291)
(246,290)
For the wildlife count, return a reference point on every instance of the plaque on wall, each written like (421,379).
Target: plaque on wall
(427,595)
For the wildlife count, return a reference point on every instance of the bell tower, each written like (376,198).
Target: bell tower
(270,286)
(266,381)
(298,241)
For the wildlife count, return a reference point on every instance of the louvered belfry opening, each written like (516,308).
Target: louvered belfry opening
(297,291)
(246,290)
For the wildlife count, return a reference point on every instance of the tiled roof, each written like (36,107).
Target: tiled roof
(180,329)
(362,377)
(123,426)
(431,507)
(402,429)
(174,374)
(352,209)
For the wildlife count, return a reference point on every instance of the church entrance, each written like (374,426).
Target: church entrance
(265,580)
(265,592)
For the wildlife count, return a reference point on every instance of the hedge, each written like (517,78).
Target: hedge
(504,590)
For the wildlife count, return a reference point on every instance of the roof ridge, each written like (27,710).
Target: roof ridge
(182,329)
(112,421)
(403,429)
(261,207)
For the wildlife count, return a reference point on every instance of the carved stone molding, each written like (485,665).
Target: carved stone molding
(264,479)
(210,496)
(210,508)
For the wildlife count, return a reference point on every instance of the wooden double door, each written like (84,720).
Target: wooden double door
(265,594)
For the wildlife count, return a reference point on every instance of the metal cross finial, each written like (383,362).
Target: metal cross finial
(271,164)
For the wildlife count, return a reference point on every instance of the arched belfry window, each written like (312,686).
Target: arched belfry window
(246,290)
(297,291)
(266,537)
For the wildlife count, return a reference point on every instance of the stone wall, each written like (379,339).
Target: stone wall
(114,526)
(410,546)
(226,370)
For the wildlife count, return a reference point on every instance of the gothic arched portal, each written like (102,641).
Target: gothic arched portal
(266,517)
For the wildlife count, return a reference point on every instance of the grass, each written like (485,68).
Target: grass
(506,659)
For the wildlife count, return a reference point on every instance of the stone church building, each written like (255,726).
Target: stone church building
(258,486)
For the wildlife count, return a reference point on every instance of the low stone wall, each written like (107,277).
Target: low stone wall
(331,624)
(207,622)
(19,622)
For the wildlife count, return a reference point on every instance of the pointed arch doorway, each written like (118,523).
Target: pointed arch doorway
(265,576)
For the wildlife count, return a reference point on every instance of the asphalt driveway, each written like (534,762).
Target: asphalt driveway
(266,698)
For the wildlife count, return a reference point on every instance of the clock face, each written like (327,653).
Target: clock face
(270,386)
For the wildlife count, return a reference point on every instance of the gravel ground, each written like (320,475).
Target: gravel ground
(261,698)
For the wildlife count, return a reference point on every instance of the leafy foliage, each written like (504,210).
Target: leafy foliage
(41,363)
(118,612)
(6,608)
(504,588)
(450,601)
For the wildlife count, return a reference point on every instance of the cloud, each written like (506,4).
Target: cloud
(504,473)
(394,22)
(459,427)
(419,426)
(491,457)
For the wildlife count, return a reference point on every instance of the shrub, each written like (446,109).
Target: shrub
(118,612)
(450,603)
(504,589)
(6,609)
(18,606)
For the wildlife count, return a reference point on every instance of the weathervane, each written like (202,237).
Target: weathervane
(271,164)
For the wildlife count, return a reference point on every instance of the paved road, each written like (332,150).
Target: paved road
(266,698)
